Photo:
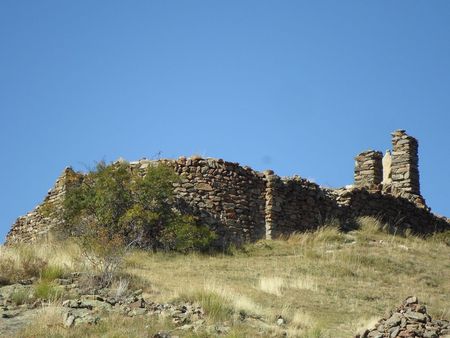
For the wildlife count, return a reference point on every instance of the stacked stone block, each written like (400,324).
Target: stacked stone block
(369,170)
(405,163)
(300,205)
(272,206)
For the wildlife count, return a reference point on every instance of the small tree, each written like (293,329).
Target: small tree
(114,208)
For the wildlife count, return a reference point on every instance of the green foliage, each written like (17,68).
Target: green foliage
(115,207)
(20,296)
(52,272)
(183,235)
(46,290)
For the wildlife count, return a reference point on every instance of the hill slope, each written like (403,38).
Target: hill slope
(319,284)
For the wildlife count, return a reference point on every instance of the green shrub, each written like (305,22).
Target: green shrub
(184,235)
(113,208)
(20,296)
(52,272)
(46,290)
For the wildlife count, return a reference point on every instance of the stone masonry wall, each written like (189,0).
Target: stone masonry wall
(298,205)
(369,170)
(398,212)
(405,163)
(227,197)
(243,205)
(45,216)
(404,169)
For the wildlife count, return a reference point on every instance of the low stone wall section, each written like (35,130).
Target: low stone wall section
(396,211)
(299,205)
(226,196)
(45,216)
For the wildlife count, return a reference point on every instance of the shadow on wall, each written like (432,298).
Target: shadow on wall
(398,212)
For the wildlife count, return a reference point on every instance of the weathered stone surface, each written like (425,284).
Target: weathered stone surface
(369,170)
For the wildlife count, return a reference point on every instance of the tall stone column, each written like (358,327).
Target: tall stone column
(369,170)
(405,163)
(273,203)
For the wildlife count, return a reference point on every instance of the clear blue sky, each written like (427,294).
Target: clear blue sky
(296,86)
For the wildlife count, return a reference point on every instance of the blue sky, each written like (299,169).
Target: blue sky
(299,87)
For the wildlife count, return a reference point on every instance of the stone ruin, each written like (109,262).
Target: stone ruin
(395,173)
(244,205)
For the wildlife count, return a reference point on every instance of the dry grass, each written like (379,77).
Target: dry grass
(323,283)
(48,323)
(47,259)
(326,283)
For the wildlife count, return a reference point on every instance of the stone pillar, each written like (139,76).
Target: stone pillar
(405,163)
(369,170)
(387,163)
(272,203)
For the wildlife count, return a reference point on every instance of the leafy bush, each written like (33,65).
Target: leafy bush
(114,207)
(183,235)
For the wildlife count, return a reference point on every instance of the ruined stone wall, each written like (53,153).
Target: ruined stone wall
(398,212)
(244,205)
(369,170)
(298,205)
(45,216)
(404,170)
(405,163)
(226,196)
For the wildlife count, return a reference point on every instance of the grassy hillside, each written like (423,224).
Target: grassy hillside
(320,284)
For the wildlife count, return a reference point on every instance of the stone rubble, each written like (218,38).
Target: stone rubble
(409,320)
(90,308)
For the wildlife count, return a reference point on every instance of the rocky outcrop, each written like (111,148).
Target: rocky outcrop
(409,320)
(89,308)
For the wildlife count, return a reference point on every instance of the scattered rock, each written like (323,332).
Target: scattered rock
(409,320)
(280,321)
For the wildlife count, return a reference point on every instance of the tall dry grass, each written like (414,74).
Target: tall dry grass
(323,283)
